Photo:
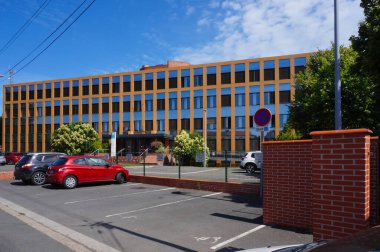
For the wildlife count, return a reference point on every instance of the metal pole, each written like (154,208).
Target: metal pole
(144,164)
(225,166)
(338,98)
(179,167)
(204,137)
(261,139)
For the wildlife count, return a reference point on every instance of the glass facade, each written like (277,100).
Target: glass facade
(157,101)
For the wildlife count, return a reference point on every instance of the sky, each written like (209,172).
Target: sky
(122,35)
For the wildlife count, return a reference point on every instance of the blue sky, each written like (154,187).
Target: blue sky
(122,35)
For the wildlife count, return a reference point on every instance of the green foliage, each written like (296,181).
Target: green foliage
(188,145)
(105,146)
(367,44)
(75,138)
(314,104)
(288,134)
(156,145)
(160,149)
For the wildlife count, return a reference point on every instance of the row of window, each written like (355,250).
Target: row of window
(123,83)
(254,99)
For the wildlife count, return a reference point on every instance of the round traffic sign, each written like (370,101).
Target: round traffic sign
(262,117)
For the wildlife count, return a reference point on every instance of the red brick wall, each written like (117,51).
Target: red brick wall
(341,174)
(6,175)
(287,183)
(214,186)
(375,188)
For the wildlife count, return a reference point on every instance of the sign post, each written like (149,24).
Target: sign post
(113,144)
(262,117)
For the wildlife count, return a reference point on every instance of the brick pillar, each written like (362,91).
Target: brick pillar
(340,182)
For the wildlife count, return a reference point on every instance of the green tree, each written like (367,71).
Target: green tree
(314,104)
(188,145)
(75,138)
(367,44)
(288,133)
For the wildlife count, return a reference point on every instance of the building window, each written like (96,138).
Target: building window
(137,124)
(211,75)
(269,70)
(126,106)
(31,92)
(198,123)
(148,105)
(173,79)
(148,125)
(75,107)
(269,98)
(284,69)
(160,104)
(75,87)
(47,91)
(254,99)
(239,100)
(15,93)
(85,107)
(273,122)
(149,81)
(95,125)
(66,107)
(39,91)
(126,126)
(240,73)
(283,119)
(115,126)
(225,71)
(126,83)
(226,100)
(66,89)
(185,78)
(105,105)
(211,101)
(185,124)
(115,105)
(161,80)
(239,122)
(299,65)
(198,102)
(105,85)
(95,106)
(173,125)
(173,104)
(285,96)
(23,93)
(137,82)
(211,123)
(57,90)
(198,77)
(105,127)
(8,93)
(226,122)
(115,84)
(137,107)
(161,125)
(95,86)
(254,71)
(185,103)
(57,108)
(239,145)
(85,87)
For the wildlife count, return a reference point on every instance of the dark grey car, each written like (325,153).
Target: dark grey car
(31,168)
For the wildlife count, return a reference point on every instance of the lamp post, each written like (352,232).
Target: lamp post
(204,137)
(338,98)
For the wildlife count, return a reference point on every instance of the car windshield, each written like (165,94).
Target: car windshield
(59,161)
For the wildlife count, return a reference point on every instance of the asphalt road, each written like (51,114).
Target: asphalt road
(140,217)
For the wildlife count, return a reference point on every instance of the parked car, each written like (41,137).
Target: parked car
(252,161)
(32,167)
(3,161)
(367,240)
(12,157)
(74,170)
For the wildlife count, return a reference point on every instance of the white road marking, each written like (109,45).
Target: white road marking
(237,237)
(160,205)
(66,236)
(118,196)
(130,217)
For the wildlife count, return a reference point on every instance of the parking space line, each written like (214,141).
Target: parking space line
(237,237)
(164,204)
(118,196)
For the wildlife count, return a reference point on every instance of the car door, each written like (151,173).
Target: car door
(82,170)
(100,169)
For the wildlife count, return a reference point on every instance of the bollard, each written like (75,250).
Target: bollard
(179,167)
(225,167)
(144,165)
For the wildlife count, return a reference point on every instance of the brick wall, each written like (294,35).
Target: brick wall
(6,175)
(214,186)
(375,189)
(287,183)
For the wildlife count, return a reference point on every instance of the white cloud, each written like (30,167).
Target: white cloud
(262,28)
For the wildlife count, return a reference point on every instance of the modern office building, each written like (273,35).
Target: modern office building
(155,103)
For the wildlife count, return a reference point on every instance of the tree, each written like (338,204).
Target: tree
(75,138)
(367,44)
(314,104)
(188,145)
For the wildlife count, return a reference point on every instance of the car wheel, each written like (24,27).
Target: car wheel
(70,182)
(250,168)
(38,178)
(120,178)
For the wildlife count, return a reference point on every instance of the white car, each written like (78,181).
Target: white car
(3,161)
(252,161)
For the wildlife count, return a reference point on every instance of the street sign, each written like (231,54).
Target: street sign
(199,157)
(262,117)
(113,144)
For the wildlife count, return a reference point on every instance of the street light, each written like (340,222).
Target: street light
(204,136)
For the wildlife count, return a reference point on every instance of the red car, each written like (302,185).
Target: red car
(73,170)
(12,157)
